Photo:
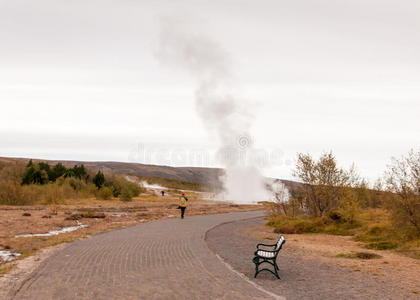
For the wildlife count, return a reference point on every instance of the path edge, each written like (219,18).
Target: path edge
(241,275)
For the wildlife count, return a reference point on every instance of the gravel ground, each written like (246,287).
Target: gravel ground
(300,278)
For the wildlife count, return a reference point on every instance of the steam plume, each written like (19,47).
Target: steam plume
(220,111)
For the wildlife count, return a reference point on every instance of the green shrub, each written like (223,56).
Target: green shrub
(335,216)
(118,184)
(126,195)
(104,193)
(128,190)
(384,245)
(99,179)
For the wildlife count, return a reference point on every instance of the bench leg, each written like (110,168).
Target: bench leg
(275,271)
(257,263)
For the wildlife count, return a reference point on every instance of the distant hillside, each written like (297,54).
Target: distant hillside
(207,176)
(189,174)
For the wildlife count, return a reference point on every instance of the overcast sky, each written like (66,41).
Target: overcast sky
(80,80)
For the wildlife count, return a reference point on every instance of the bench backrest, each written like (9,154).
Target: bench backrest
(280,242)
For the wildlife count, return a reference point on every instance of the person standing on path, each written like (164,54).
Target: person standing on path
(182,204)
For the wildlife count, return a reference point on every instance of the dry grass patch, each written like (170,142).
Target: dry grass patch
(6,268)
(373,227)
(359,255)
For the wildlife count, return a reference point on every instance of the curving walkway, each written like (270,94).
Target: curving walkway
(167,259)
(301,278)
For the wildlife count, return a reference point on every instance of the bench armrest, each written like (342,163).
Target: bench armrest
(275,252)
(271,251)
(265,245)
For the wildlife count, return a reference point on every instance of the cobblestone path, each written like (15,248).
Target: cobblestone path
(166,259)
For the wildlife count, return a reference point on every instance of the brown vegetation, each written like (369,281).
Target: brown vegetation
(335,201)
(403,180)
(17,189)
(324,184)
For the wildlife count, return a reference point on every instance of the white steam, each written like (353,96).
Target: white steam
(220,111)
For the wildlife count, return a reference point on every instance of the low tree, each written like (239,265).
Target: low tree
(80,172)
(323,182)
(99,179)
(403,180)
(57,171)
(34,175)
(281,198)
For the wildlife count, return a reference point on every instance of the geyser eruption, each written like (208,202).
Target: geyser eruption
(220,111)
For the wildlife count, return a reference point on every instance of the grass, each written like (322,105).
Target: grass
(6,268)
(306,224)
(359,255)
(373,227)
(384,245)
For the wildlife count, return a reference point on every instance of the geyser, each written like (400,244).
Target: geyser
(220,110)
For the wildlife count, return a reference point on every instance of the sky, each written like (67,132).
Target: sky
(80,80)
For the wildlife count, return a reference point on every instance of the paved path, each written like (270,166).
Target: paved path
(301,279)
(167,259)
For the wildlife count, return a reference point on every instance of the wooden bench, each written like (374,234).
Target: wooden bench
(268,254)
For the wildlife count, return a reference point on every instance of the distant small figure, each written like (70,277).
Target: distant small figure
(163,193)
(182,204)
